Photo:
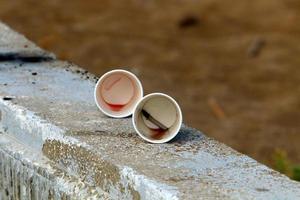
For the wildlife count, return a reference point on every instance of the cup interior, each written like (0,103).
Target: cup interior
(157,118)
(117,93)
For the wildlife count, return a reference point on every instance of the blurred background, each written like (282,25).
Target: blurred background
(232,65)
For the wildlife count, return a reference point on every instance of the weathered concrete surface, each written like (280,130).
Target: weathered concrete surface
(53,133)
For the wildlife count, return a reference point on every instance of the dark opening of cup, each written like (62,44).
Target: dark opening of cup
(157,118)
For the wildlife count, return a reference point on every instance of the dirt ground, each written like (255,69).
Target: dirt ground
(232,65)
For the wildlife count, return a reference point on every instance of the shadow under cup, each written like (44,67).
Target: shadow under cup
(117,92)
(157,118)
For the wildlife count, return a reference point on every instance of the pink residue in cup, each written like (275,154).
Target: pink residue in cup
(117,90)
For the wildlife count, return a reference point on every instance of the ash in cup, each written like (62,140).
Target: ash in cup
(157,118)
(117,92)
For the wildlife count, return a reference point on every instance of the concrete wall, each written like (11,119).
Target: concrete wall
(55,144)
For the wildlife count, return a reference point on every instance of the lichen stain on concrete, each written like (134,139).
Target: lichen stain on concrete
(86,160)
(88,166)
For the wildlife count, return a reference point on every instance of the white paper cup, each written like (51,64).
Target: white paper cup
(157,118)
(117,92)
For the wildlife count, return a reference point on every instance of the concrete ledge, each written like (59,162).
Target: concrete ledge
(54,140)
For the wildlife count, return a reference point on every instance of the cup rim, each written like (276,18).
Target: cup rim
(131,75)
(164,140)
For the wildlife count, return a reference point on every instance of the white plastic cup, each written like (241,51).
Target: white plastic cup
(157,118)
(117,92)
